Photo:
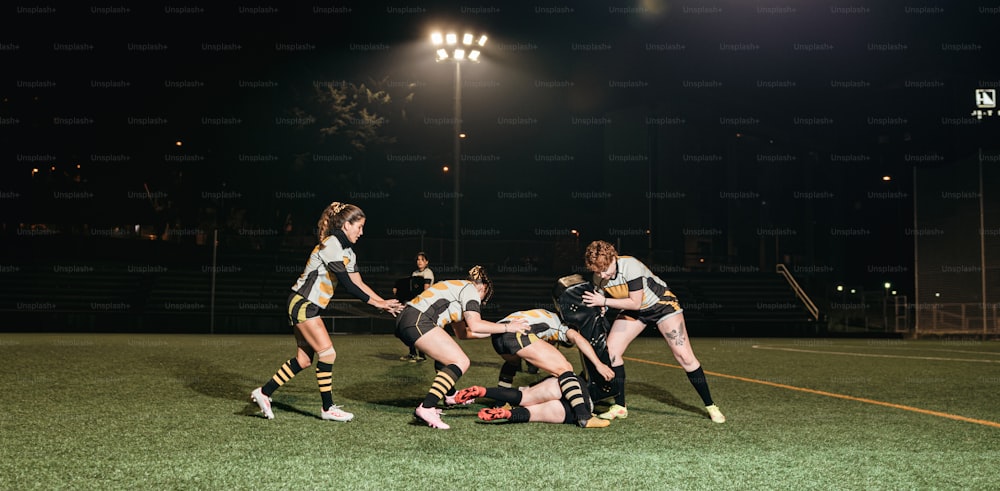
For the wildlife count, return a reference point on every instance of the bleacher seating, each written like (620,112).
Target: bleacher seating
(174,294)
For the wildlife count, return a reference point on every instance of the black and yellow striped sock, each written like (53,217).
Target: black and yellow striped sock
(444,381)
(283,375)
(573,393)
(324,377)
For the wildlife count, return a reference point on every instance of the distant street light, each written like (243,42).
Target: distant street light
(449,49)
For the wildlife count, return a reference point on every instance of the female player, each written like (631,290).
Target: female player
(331,263)
(426,279)
(421,324)
(536,346)
(645,300)
(540,403)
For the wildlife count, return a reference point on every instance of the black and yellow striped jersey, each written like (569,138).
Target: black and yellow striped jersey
(633,275)
(447,301)
(316,283)
(545,325)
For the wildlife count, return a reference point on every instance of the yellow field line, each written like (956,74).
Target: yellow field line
(873,355)
(831,394)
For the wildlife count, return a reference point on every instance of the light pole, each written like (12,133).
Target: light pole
(449,49)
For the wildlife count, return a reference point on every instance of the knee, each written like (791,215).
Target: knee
(687,361)
(328,355)
(304,361)
(463,364)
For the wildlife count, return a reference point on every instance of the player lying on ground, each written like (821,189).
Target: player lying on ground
(539,403)
(534,346)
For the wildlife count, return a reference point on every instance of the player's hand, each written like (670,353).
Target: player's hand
(593,299)
(520,325)
(393,307)
(605,371)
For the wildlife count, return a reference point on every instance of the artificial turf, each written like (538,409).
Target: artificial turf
(116,411)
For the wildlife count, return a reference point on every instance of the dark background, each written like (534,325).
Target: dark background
(715,136)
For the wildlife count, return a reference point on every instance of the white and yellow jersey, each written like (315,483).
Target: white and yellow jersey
(633,275)
(447,301)
(316,283)
(545,325)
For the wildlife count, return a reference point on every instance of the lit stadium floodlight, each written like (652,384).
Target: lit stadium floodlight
(447,48)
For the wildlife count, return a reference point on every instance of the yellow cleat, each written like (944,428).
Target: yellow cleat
(715,414)
(594,422)
(615,412)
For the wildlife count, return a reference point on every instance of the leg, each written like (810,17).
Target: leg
(511,364)
(302,360)
(441,347)
(314,333)
(623,332)
(674,331)
(546,390)
(548,412)
(547,357)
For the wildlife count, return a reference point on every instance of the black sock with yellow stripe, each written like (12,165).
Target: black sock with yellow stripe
(573,393)
(324,377)
(284,374)
(444,382)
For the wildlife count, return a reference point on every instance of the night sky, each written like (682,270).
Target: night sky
(760,130)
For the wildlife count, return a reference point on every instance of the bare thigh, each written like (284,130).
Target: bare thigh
(623,332)
(545,356)
(441,347)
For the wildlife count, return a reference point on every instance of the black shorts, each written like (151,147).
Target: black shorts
(509,343)
(300,309)
(653,315)
(411,324)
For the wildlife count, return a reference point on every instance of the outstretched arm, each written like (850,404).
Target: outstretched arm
(584,346)
(481,328)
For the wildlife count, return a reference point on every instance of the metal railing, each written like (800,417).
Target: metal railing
(799,292)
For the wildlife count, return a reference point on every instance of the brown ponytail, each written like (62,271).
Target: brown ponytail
(334,217)
(478,275)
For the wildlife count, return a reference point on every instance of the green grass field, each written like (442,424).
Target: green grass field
(119,411)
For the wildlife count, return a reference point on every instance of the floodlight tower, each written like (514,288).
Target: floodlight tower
(450,49)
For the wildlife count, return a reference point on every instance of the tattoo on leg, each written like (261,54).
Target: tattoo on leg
(676,336)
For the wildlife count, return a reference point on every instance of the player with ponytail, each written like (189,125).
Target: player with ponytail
(421,324)
(331,263)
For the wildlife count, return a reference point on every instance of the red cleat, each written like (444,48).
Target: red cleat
(467,395)
(494,413)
